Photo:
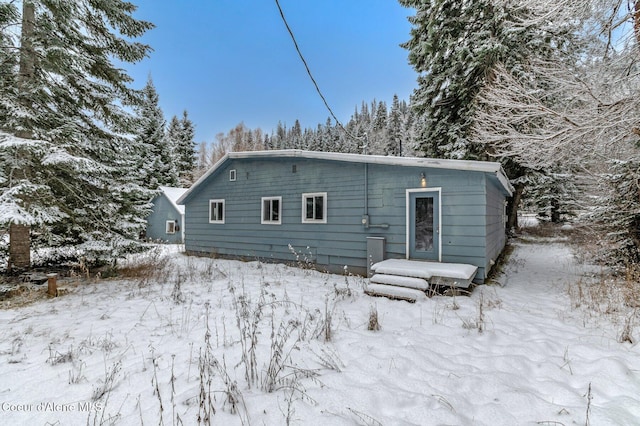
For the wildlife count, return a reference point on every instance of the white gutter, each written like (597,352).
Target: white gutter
(467,165)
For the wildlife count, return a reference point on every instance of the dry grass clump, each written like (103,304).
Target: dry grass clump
(631,287)
(374,324)
(146,268)
(612,296)
(541,230)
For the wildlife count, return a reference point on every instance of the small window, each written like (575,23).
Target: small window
(232,175)
(216,211)
(314,208)
(271,210)
(171,227)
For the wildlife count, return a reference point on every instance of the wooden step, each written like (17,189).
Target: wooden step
(436,273)
(396,280)
(393,292)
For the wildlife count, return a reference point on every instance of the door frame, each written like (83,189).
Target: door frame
(437,192)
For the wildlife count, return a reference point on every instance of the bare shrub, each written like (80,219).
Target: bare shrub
(280,354)
(108,383)
(248,316)
(329,359)
(156,386)
(176,294)
(374,324)
(326,323)
(477,322)
(75,374)
(208,366)
(103,392)
(626,334)
(303,260)
(146,268)
(205,362)
(56,357)
(91,344)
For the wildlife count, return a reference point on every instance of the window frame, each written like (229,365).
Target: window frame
(264,221)
(314,195)
(233,174)
(170,227)
(224,213)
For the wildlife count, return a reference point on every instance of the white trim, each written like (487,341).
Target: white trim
(433,163)
(167,226)
(263,221)
(224,211)
(408,218)
(324,207)
(233,175)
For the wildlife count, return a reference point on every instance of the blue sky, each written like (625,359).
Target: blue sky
(232,61)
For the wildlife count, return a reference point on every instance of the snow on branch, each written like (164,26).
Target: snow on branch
(13,211)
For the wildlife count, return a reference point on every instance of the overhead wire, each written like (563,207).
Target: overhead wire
(313,80)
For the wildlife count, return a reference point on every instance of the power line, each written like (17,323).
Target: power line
(313,80)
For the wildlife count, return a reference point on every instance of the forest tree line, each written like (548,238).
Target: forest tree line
(551,89)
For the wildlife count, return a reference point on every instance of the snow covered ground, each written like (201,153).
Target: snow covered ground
(250,343)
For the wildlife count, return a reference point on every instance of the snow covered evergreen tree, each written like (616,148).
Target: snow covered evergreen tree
(180,137)
(63,128)
(454,47)
(159,162)
(377,135)
(394,129)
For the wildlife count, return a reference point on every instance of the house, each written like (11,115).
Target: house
(166,221)
(348,210)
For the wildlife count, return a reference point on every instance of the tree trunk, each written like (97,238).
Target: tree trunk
(555,210)
(19,234)
(19,247)
(27,54)
(514,202)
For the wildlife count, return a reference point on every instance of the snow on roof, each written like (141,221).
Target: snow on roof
(435,163)
(174,194)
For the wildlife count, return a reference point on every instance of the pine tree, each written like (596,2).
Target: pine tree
(394,129)
(617,213)
(377,137)
(64,126)
(454,47)
(173,134)
(159,162)
(180,134)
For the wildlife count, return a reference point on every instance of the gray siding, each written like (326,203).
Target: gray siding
(163,210)
(496,233)
(342,240)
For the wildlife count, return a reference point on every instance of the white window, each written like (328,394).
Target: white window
(216,211)
(314,207)
(232,175)
(271,207)
(171,227)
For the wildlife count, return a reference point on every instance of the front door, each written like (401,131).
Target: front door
(423,224)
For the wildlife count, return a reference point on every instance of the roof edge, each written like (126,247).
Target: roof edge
(469,165)
(202,178)
(174,202)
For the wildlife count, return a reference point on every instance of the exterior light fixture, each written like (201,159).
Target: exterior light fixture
(423,180)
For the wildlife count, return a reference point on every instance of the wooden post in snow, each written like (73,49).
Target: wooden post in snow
(52,285)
